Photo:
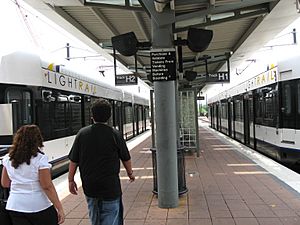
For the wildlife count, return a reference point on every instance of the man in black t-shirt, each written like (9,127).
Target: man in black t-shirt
(97,151)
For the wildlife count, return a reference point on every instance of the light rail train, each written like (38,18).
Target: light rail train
(263,112)
(58,100)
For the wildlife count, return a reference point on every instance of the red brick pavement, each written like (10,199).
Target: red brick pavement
(225,188)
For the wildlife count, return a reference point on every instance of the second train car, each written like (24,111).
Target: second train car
(263,112)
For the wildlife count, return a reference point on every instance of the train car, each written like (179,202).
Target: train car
(58,100)
(263,112)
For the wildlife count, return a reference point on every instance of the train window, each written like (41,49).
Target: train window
(22,106)
(128,120)
(61,115)
(27,107)
(238,110)
(287,99)
(110,120)
(75,120)
(259,113)
(87,110)
(298,97)
(266,103)
(224,109)
(118,115)
(270,108)
(128,113)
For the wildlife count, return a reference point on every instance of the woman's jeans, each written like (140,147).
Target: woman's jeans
(102,212)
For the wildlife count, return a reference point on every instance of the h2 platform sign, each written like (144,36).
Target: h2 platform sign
(125,79)
(163,64)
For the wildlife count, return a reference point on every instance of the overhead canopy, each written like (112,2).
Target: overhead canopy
(240,27)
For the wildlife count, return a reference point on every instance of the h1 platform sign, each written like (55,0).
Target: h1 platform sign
(163,64)
(125,79)
(218,77)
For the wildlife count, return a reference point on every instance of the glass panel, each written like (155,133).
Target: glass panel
(110,120)
(87,111)
(298,96)
(76,123)
(287,101)
(117,115)
(140,118)
(188,126)
(22,106)
(27,108)
(60,112)
(15,97)
(128,119)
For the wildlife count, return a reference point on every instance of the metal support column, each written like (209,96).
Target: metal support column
(165,118)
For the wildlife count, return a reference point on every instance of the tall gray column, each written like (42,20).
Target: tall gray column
(165,119)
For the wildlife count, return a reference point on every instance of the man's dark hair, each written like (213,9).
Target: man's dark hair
(101,110)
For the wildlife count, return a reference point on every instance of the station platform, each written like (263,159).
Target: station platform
(227,185)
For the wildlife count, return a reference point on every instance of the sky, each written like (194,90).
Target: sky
(25,29)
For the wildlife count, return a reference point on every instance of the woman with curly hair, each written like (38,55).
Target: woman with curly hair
(33,199)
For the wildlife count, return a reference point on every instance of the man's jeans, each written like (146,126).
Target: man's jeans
(105,212)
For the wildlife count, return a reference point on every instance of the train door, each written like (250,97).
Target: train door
(232,118)
(248,120)
(136,119)
(298,106)
(239,118)
(288,115)
(212,115)
(118,117)
(229,113)
(145,112)
(141,119)
(217,117)
(21,100)
(128,120)
(110,121)
(86,109)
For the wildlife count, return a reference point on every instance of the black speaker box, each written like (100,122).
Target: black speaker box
(190,75)
(125,44)
(199,39)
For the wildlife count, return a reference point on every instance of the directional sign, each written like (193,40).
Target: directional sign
(200,98)
(163,64)
(218,77)
(125,79)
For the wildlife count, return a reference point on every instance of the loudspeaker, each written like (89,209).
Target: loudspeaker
(190,75)
(199,39)
(126,44)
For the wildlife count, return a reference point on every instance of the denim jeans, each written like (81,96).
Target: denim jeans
(102,212)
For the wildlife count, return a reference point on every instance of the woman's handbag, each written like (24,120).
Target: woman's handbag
(4,215)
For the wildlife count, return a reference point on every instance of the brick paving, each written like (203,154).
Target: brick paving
(225,188)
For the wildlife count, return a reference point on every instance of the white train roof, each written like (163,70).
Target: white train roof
(286,69)
(29,69)
(263,79)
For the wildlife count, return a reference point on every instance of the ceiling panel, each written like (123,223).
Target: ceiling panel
(101,22)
